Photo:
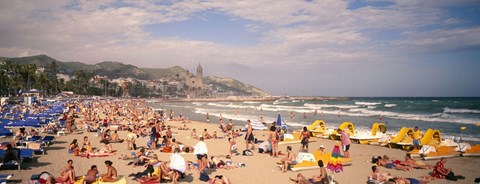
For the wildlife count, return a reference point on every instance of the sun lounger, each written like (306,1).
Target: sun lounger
(36,146)
(5,176)
(47,140)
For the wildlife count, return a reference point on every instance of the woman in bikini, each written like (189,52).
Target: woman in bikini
(304,136)
(273,137)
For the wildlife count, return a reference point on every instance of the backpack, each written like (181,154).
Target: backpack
(204,177)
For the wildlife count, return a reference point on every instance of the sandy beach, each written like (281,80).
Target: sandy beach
(260,168)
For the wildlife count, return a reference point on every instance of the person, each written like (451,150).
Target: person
(439,171)
(67,175)
(385,162)
(409,161)
(220,179)
(376,177)
(322,149)
(10,155)
(289,159)
(249,136)
(206,135)
(194,134)
(232,146)
(345,138)
(91,175)
(177,165)
(20,134)
(273,137)
(322,177)
(115,138)
(151,141)
(85,143)
(106,135)
(73,146)
(131,139)
(111,175)
(304,136)
(417,135)
(107,148)
(201,151)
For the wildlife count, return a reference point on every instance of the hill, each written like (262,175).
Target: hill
(115,70)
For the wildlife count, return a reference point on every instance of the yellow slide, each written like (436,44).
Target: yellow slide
(431,137)
(378,127)
(344,126)
(405,132)
(317,128)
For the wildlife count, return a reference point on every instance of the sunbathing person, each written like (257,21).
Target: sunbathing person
(73,146)
(107,148)
(377,177)
(134,154)
(194,134)
(206,135)
(409,161)
(111,175)
(219,179)
(91,175)
(10,155)
(385,162)
(67,174)
(114,137)
(289,159)
(320,179)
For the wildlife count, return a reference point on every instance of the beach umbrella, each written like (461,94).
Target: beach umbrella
(335,162)
(279,120)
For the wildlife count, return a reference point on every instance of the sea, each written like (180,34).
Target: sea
(446,114)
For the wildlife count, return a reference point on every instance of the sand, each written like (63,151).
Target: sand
(260,168)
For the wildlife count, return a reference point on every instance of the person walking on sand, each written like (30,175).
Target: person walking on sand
(249,136)
(232,146)
(111,175)
(417,135)
(345,138)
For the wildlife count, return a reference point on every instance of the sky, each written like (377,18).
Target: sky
(285,47)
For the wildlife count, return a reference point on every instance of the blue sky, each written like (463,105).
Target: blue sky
(315,47)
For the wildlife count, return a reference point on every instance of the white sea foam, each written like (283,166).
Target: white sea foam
(371,107)
(436,101)
(367,103)
(390,105)
(249,102)
(319,106)
(197,103)
(460,111)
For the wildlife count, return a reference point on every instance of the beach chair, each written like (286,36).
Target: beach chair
(47,140)
(4,178)
(36,147)
(62,131)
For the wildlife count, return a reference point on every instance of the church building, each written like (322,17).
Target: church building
(195,87)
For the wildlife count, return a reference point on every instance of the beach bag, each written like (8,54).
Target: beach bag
(247,153)
(204,177)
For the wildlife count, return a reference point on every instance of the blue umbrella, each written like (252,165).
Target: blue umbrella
(279,120)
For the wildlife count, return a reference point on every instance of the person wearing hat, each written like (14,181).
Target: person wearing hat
(322,149)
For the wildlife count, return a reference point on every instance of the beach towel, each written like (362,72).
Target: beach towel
(99,154)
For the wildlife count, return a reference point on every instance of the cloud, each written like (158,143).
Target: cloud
(300,35)
(441,40)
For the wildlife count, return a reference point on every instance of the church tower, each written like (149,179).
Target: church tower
(199,71)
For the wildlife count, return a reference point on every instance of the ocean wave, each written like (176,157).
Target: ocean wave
(460,111)
(197,103)
(390,105)
(250,102)
(367,103)
(438,117)
(319,106)
(435,101)
(371,107)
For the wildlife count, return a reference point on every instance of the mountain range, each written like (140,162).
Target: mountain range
(113,70)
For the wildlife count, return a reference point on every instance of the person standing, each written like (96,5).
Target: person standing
(273,137)
(249,136)
(201,151)
(345,138)
(417,135)
(304,137)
